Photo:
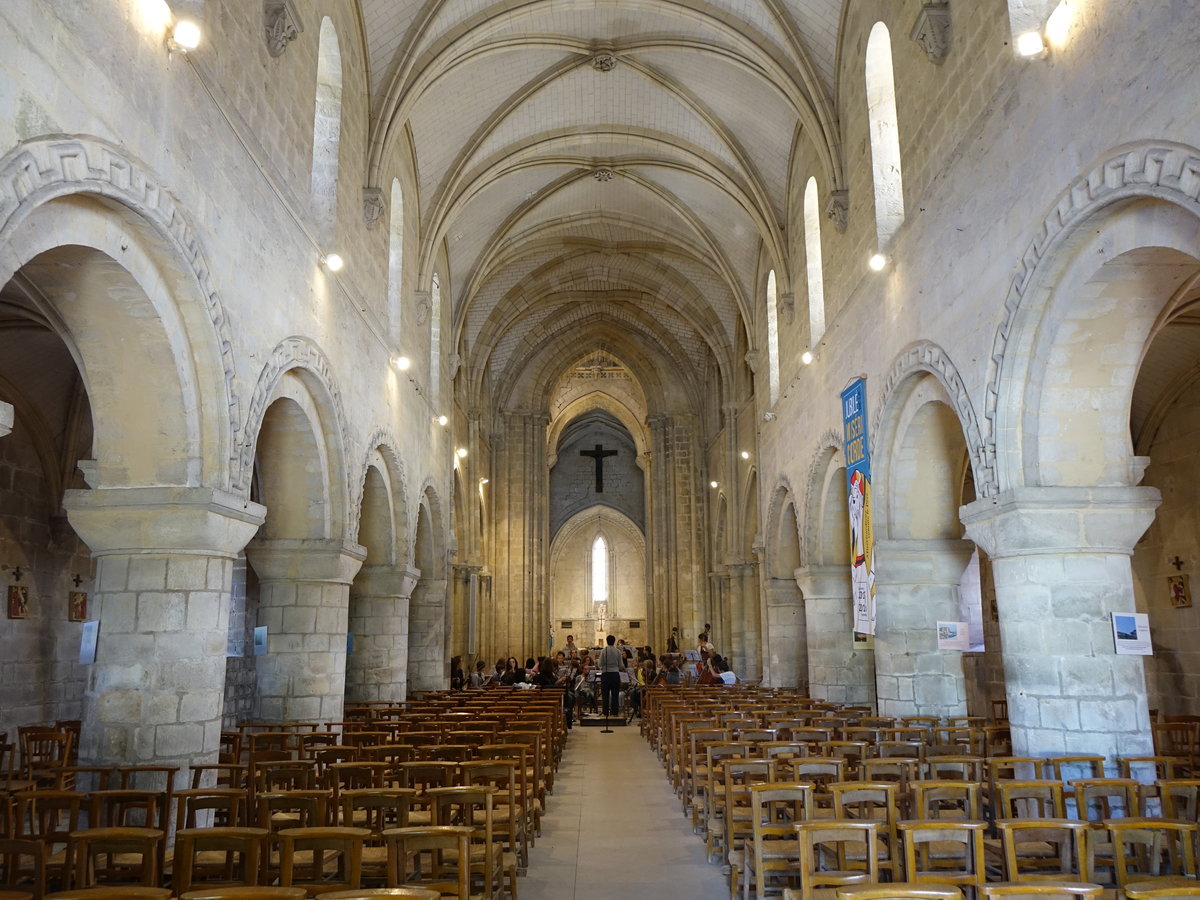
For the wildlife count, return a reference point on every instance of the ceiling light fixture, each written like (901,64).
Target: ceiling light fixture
(1030,44)
(745,454)
(713,484)
(806,357)
(441,420)
(401,362)
(878,262)
(462,452)
(333,262)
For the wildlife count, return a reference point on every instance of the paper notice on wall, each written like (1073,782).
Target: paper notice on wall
(953,636)
(1131,634)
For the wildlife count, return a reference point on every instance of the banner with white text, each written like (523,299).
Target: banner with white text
(858,492)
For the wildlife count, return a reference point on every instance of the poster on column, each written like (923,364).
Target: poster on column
(858,492)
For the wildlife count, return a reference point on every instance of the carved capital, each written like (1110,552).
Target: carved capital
(603,173)
(932,30)
(282,23)
(752,360)
(838,209)
(373,205)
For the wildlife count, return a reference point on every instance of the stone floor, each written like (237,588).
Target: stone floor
(614,829)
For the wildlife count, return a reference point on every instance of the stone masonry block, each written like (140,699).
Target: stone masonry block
(112,574)
(1087,676)
(178,741)
(158,612)
(119,613)
(147,573)
(204,610)
(187,572)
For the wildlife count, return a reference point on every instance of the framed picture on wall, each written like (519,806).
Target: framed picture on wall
(1180,591)
(18,601)
(76,606)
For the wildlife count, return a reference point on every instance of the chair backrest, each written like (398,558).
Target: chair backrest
(1044,849)
(115,856)
(965,837)
(1100,799)
(946,799)
(291,809)
(23,865)
(1180,798)
(835,852)
(246,845)
(376,809)
(1152,847)
(129,808)
(1035,799)
(426,857)
(49,816)
(340,846)
(197,807)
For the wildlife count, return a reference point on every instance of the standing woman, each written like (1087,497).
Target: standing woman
(612,664)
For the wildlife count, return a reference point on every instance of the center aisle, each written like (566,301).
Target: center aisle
(614,828)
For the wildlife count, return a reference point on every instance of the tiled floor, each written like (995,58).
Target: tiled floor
(614,829)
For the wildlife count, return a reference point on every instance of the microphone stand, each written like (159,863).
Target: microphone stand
(605,729)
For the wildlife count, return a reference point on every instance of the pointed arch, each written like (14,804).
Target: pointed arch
(885,136)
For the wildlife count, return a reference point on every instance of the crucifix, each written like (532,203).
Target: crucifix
(598,455)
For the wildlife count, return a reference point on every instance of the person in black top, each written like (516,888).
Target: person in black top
(673,640)
(612,664)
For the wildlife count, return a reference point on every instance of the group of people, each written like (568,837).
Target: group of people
(579,671)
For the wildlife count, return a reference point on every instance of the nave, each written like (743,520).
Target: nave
(614,828)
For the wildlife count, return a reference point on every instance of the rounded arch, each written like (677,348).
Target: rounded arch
(327,132)
(1152,170)
(824,499)
(382,504)
(885,136)
(912,441)
(75,189)
(782,539)
(299,373)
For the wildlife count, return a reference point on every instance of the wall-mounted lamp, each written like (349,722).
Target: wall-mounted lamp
(441,420)
(401,363)
(184,36)
(878,262)
(768,417)
(807,358)
(745,454)
(333,262)
(1031,44)
(713,484)
(461,452)
(482,482)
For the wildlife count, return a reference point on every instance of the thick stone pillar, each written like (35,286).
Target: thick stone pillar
(304,593)
(164,560)
(428,667)
(836,671)
(916,586)
(1061,565)
(785,657)
(378,619)
(744,620)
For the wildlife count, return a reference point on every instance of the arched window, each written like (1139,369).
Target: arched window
(599,570)
(772,336)
(885,136)
(812,254)
(435,333)
(327,130)
(395,257)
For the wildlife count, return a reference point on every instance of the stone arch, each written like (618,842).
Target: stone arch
(924,372)
(1151,170)
(327,133)
(428,607)
(384,458)
(628,581)
(819,493)
(885,136)
(298,374)
(785,660)
(74,189)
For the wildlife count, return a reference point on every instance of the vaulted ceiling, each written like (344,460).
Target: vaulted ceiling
(632,155)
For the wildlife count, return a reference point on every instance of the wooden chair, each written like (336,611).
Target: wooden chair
(926,856)
(405,893)
(1036,799)
(1066,768)
(338,845)
(878,802)
(1153,890)
(508,815)
(426,856)
(49,817)
(946,800)
(1180,740)
(45,753)
(739,776)
(1142,847)
(894,891)
(224,807)
(376,809)
(835,853)
(1044,849)
(115,856)
(217,855)
(15,873)
(1180,798)
(954,767)
(244,892)
(775,809)
(487,860)
(1050,890)
(1101,799)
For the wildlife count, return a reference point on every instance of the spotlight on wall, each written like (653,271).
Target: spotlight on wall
(441,420)
(183,37)
(806,357)
(333,262)
(768,417)
(878,262)
(745,454)
(1030,44)
(401,363)
(713,484)
(482,482)
(462,452)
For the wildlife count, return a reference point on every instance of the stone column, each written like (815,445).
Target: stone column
(743,645)
(836,671)
(785,657)
(1061,565)
(428,667)
(164,560)
(378,619)
(304,593)
(916,586)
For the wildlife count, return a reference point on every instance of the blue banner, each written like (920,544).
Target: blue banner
(856,449)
